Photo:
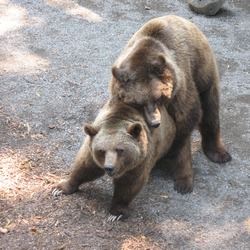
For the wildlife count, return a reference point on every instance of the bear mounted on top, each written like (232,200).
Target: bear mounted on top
(164,84)
(170,61)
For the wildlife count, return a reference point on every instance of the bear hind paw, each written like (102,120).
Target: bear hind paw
(184,185)
(220,156)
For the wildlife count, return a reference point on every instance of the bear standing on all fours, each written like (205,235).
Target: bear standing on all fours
(121,144)
(170,61)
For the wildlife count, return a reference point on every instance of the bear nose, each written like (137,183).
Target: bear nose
(108,169)
(155,123)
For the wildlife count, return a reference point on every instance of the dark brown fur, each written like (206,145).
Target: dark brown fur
(122,144)
(170,61)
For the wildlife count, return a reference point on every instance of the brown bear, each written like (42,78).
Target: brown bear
(170,61)
(122,144)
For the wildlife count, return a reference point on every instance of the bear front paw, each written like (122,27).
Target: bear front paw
(56,192)
(113,218)
(184,185)
(118,212)
(64,187)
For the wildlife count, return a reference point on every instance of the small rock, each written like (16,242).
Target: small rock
(206,7)
(3,230)
(52,126)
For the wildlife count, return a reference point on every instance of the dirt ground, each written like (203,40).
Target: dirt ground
(55,58)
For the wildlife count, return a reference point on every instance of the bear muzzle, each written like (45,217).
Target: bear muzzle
(153,115)
(155,123)
(109,169)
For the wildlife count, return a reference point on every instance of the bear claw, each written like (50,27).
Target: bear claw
(114,218)
(56,192)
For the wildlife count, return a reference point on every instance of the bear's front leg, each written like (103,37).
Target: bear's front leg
(125,189)
(183,173)
(84,170)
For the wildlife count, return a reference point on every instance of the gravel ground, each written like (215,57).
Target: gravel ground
(55,59)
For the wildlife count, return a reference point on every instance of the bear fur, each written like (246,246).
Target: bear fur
(121,143)
(169,61)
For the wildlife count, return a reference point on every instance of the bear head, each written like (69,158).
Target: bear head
(146,78)
(117,146)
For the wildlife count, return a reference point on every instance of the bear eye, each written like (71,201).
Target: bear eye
(101,152)
(136,105)
(157,103)
(119,150)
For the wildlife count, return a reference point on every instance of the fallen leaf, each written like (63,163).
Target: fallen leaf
(34,230)
(165,196)
(38,136)
(9,226)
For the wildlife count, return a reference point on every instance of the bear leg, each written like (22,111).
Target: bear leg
(212,144)
(183,173)
(125,189)
(84,170)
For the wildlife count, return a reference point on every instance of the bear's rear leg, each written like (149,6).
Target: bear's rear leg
(212,144)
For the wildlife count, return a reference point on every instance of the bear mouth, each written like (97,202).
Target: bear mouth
(110,174)
(153,115)
(114,174)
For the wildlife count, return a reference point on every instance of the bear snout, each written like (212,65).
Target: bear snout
(155,123)
(109,169)
(153,114)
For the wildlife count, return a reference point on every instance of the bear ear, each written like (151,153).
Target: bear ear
(135,129)
(90,130)
(158,65)
(120,74)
